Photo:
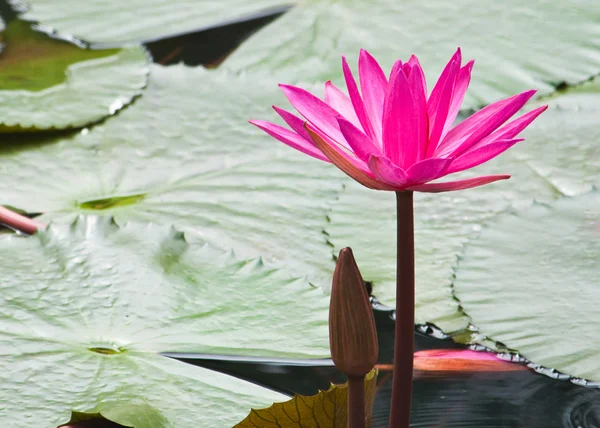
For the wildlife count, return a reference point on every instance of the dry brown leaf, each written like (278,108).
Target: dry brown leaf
(327,409)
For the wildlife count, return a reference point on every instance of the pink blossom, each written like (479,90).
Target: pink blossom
(391,135)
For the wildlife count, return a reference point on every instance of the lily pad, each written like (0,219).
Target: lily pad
(50,83)
(560,156)
(178,158)
(515,43)
(530,281)
(136,20)
(85,308)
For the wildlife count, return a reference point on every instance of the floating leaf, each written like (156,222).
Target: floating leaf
(85,308)
(49,83)
(178,158)
(560,156)
(114,21)
(531,279)
(514,43)
(325,409)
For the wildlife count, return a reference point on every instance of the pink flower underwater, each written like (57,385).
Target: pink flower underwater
(392,136)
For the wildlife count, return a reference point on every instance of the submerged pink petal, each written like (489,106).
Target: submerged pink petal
(419,95)
(293,122)
(481,155)
(387,172)
(399,134)
(341,103)
(373,85)
(428,169)
(487,126)
(460,89)
(449,186)
(352,167)
(438,117)
(361,145)
(290,138)
(315,111)
(357,102)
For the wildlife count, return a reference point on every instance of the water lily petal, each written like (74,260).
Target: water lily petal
(399,134)
(341,103)
(436,93)
(395,68)
(428,169)
(419,94)
(373,85)
(487,126)
(460,89)
(481,155)
(438,119)
(352,167)
(357,102)
(449,186)
(416,65)
(361,145)
(513,128)
(293,122)
(387,172)
(290,138)
(315,111)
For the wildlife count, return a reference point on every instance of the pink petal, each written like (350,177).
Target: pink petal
(436,93)
(341,103)
(395,68)
(419,94)
(416,65)
(487,126)
(438,118)
(399,119)
(353,168)
(293,122)
(387,172)
(373,85)
(460,89)
(480,155)
(290,138)
(357,102)
(361,145)
(461,131)
(515,127)
(449,186)
(315,111)
(428,170)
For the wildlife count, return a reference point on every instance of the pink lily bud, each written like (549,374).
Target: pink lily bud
(352,332)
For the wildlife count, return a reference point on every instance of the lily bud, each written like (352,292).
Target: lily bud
(352,332)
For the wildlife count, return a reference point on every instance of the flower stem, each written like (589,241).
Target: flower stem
(19,222)
(356,402)
(405,313)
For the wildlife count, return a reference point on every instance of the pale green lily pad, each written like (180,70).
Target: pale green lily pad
(531,281)
(85,308)
(517,45)
(561,156)
(47,83)
(136,20)
(179,157)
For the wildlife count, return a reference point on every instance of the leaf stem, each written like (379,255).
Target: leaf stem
(356,402)
(405,313)
(19,222)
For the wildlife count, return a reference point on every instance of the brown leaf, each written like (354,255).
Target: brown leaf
(325,409)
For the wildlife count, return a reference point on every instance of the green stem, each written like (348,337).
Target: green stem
(405,313)
(19,222)
(356,402)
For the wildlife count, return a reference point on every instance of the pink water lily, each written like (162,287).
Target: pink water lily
(391,135)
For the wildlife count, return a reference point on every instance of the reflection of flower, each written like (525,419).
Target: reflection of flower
(393,136)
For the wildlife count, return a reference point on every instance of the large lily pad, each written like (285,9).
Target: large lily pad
(531,279)
(48,83)
(178,158)
(136,20)
(84,309)
(561,156)
(515,43)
